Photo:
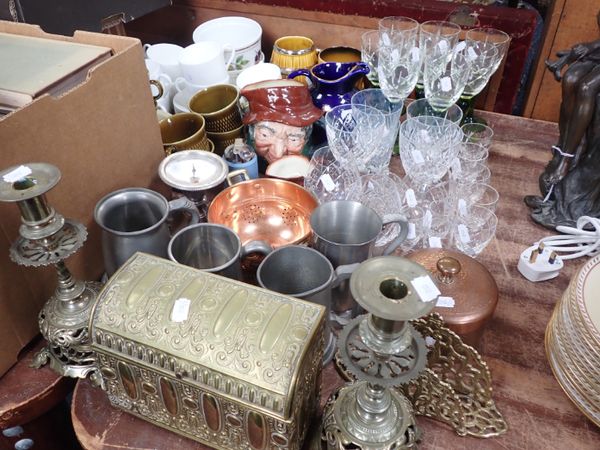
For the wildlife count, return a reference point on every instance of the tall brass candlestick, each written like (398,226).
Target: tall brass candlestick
(46,238)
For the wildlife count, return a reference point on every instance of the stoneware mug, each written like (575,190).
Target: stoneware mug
(219,106)
(184,131)
(135,220)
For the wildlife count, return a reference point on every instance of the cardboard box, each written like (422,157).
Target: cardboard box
(103,135)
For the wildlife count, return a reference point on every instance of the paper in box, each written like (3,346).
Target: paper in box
(103,135)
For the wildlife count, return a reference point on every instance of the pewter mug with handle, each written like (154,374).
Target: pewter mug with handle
(345,232)
(135,220)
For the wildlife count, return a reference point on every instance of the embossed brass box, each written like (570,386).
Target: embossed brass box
(219,361)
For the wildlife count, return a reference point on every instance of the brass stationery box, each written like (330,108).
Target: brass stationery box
(216,360)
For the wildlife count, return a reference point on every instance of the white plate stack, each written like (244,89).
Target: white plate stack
(573,340)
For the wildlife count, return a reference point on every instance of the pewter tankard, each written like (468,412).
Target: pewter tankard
(345,232)
(303,272)
(135,220)
(213,248)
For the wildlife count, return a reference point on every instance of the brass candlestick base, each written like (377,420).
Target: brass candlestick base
(382,351)
(47,238)
(365,416)
(455,388)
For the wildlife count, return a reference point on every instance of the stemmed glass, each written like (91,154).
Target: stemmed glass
(399,57)
(391,111)
(428,145)
(473,231)
(435,37)
(368,53)
(328,179)
(445,77)
(485,50)
(354,136)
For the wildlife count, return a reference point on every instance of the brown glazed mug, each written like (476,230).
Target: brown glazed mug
(184,131)
(218,105)
(224,140)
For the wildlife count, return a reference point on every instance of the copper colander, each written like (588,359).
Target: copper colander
(271,210)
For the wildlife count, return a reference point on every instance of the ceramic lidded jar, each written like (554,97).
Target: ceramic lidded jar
(279,117)
(469,292)
(197,174)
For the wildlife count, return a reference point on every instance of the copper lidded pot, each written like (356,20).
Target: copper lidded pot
(465,283)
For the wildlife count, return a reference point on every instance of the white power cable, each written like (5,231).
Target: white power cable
(575,242)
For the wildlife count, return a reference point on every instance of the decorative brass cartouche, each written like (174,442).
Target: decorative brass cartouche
(381,350)
(47,238)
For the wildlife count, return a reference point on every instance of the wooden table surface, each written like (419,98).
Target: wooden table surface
(27,393)
(539,414)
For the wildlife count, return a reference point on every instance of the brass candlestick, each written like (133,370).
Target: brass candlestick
(46,238)
(381,350)
(451,384)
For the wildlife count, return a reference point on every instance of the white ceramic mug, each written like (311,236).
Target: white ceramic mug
(154,73)
(167,56)
(203,63)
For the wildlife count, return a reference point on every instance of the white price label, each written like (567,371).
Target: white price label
(181,309)
(435,242)
(412,231)
(425,288)
(443,46)
(471,54)
(418,156)
(385,38)
(429,341)
(463,233)
(17,174)
(462,207)
(411,199)
(456,167)
(327,182)
(445,302)
(446,84)
(415,54)
(427,219)
(460,46)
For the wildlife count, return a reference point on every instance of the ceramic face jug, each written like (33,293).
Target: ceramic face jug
(333,83)
(279,118)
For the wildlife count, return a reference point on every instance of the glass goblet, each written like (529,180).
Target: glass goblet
(328,179)
(435,37)
(368,52)
(391,111)
(399,58)
(474,231)
(422,107)
(428,145)
(486,49)
(478,133)
(445,78)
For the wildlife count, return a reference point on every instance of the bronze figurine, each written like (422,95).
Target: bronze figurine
(570,183)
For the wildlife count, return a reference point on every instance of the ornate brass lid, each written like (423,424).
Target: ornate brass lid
(207,328)
(385,287)
(467,281)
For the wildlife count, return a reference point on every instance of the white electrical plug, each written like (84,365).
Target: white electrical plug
(539,263)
